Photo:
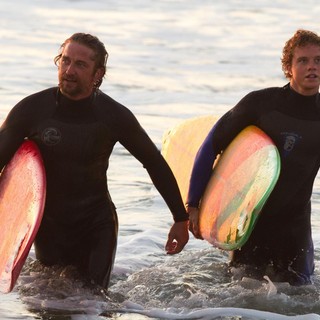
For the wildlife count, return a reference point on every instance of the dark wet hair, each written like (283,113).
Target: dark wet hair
(92,42)
(300,39)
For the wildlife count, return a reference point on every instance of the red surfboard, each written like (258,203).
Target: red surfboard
(22,199)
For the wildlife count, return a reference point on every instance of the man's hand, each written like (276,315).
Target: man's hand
(178,237)
(194,221)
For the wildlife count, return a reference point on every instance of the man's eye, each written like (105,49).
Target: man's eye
(64,61)
(303,60)
(81,64)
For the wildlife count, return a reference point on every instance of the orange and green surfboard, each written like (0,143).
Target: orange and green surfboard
(243,177)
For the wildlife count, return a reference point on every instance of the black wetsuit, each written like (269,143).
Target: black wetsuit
(76,139)
(282,236)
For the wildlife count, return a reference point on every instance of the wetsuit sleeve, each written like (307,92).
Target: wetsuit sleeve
(202,169)
(219,137)
(137,142)
(12,133)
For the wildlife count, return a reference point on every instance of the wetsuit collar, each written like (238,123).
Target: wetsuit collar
(64,101)
(68,110)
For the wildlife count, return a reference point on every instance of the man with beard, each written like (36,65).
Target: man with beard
(76,126)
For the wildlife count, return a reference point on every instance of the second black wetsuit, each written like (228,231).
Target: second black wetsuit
(76,139)
(282,236)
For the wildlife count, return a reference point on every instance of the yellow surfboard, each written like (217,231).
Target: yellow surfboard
(243,178)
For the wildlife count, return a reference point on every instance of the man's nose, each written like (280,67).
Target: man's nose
(70,68)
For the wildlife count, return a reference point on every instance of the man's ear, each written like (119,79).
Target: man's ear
(99,74)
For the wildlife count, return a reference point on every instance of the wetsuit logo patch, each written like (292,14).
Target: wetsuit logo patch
(290,141)
(51,136)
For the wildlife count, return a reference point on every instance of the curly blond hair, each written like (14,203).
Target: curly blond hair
(300,39)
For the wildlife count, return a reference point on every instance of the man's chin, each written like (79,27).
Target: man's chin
(70,92)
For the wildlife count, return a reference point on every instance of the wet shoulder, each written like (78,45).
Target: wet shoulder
(38,102)
(266,94)
(113,113)
(35,106)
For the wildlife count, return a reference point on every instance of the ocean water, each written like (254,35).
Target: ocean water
(169,61)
